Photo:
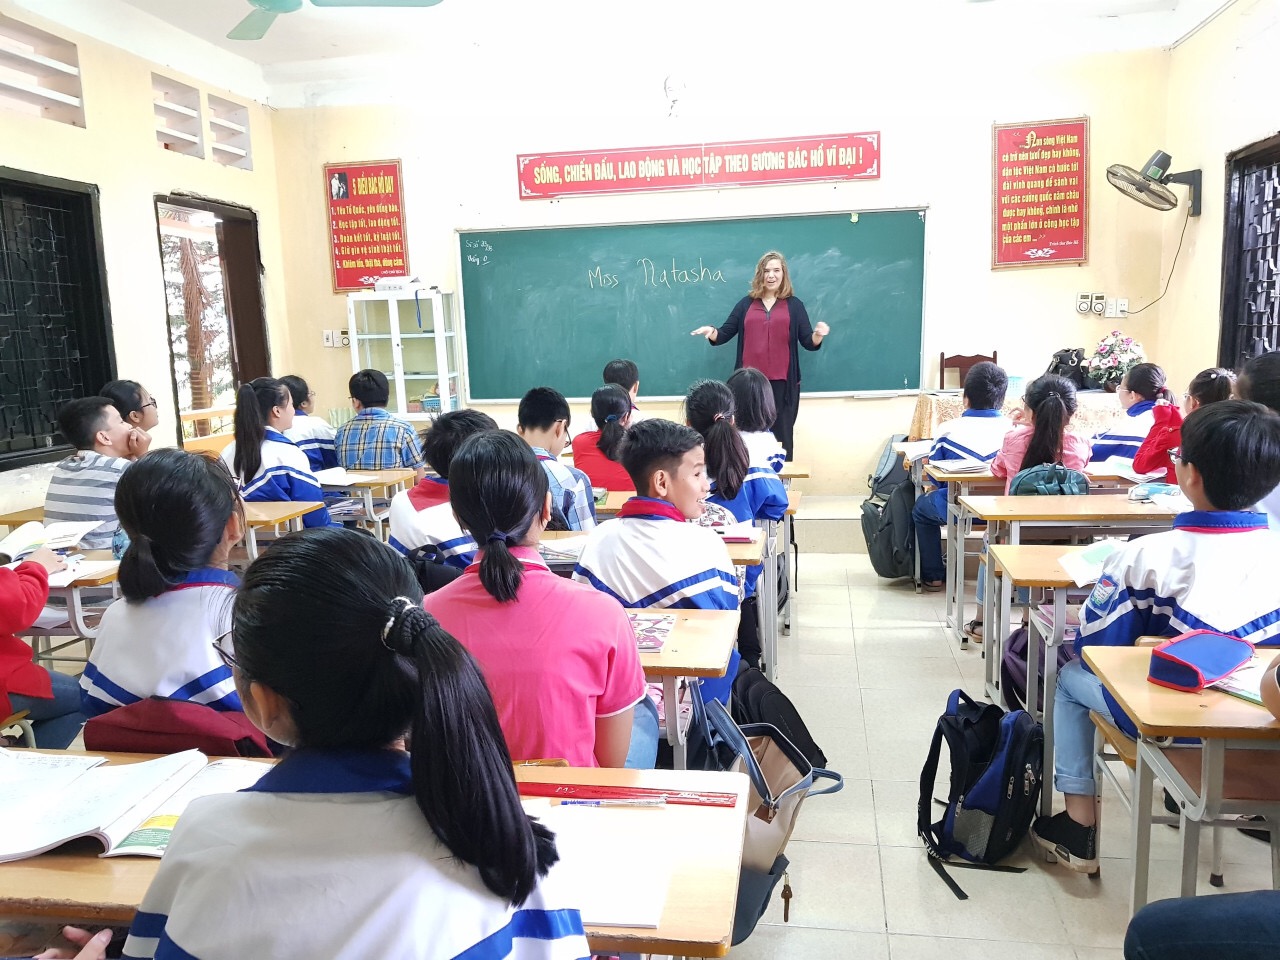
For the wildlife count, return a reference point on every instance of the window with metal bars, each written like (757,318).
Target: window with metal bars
(55,335)
(1251,256)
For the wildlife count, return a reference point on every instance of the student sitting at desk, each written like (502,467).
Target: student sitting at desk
(756,412)
(1039,436)
(625,374)
(51,698)
(312,434)
(560,659)
(376,439)
(83,485)
(1207,386)
(267,464)
(543,418)
(977,434)
(136,405)
(595,452)
(749,492)
(426,854)
(1138,392)
(1213,571)
(434,525)
(183,514)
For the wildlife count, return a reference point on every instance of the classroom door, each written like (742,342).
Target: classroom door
(213,289)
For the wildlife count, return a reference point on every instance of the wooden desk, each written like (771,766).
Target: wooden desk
(701,846)
(613,502)
(1031,565)
(264,514)
(389,482)
(17,518)
(1006,517)
(100,586)
(1232,732)
(958,485)
(794,470)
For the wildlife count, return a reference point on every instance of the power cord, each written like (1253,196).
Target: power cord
(1173,266)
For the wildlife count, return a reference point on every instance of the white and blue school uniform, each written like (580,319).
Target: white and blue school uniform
(650,557)
(350,868)
(1124,438)
(314,437)
(435,528)
(1270,505)
(163,647)
(285,475)
(763,449)
(761,497)
(1212,571)
(974,435)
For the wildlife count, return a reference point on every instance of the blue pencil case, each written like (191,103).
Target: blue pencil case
(1194,660)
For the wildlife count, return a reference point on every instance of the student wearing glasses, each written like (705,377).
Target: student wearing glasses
(543,419)
(183,515)
(1138,393)
(1207,386)
(137,407)
(312,434)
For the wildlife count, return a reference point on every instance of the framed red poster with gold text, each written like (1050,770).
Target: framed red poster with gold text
(1040,193)
(366,223)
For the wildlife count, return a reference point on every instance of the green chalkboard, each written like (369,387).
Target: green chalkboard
(552,306)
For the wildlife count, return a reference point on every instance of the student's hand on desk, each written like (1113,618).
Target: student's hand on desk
(139,443)
(91,946)
(48,559)
(711,333)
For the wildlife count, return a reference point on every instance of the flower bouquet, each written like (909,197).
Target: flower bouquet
(1114,356)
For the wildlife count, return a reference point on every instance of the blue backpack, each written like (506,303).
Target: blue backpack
(996,764)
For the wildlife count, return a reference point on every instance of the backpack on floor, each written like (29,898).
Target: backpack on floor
(996,764)
(1048,480)
(890,532)
(756,699)
(1013,668)
(890,469)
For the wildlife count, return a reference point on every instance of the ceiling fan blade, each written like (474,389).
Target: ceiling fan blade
(254,26)
(374,3)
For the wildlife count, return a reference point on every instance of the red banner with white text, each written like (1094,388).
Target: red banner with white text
(1040,193)
(366,223)
(700,166)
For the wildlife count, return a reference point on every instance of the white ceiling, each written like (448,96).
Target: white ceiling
(318,53)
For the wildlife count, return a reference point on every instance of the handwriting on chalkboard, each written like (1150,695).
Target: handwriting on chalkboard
(481,257)
(653,274)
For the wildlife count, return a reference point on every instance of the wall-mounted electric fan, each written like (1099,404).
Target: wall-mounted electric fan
(1149,186)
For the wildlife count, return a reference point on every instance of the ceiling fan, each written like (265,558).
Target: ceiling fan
(1149,185)
(258,22)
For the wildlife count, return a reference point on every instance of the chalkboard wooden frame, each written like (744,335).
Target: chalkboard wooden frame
(910,268)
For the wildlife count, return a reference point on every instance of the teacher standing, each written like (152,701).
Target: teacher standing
(772,321)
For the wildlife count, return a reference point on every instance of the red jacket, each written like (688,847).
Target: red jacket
(600,470)
(23,592)
(1166,434)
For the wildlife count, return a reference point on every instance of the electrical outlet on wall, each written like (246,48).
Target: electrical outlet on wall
(1110,310)
(1122,306)
(327,338)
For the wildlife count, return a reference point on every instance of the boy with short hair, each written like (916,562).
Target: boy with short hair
(625,374)
(83,486)
(544,424)
(649,556)
(420,517)
(977,434)
(1212,571)
(376,439)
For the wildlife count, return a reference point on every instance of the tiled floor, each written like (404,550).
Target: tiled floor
(869,668)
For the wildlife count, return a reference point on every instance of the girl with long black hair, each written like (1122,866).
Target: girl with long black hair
(598,452)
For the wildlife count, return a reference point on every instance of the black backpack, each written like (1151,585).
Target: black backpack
(756,699)
(890,470)
(1013,668)
(1068,363)
(890,532)
(997,760)
(432,574)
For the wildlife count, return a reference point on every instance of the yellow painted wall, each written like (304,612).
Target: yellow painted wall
(117,152)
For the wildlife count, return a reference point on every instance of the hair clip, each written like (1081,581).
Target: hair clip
(612,418)
(498,536)
(717,418)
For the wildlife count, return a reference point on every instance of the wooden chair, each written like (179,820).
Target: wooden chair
(962,364)
(20,721)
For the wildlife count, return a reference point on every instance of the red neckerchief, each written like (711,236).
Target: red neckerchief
(651,508)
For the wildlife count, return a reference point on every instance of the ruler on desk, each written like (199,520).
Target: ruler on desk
(595,791)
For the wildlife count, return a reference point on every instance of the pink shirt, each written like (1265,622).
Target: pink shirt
(1075,453)
(557,658)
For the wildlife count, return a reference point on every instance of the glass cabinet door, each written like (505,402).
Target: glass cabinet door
(373,336)
(418,324)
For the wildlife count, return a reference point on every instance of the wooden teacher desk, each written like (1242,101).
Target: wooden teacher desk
(699,847)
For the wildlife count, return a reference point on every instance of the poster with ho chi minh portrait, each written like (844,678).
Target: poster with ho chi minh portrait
(366,223)
(1040,193)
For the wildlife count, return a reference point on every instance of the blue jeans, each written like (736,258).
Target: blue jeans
(1079,691)
(58,720)
(1241,926)
(930,516)
(643,752)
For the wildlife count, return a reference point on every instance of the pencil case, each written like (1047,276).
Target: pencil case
(1194,660)
(1143,491)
